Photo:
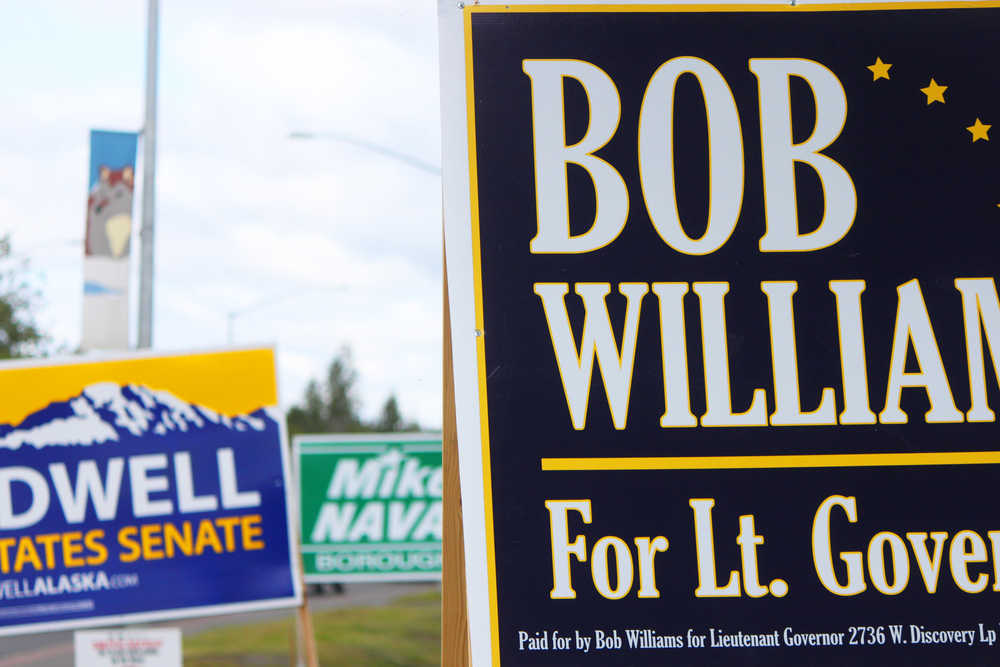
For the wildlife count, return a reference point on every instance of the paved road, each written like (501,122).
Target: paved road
(55,649)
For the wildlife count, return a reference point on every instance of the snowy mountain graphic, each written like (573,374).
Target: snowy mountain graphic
(107,412)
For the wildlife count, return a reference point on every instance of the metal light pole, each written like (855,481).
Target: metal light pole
(148,182)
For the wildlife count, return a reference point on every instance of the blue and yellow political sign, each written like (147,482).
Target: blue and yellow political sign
(141,488)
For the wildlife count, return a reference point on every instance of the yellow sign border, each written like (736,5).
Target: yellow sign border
(778,462)
(729,8)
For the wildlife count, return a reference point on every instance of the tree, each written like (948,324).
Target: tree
(389,420)
(19,334)
(332,406)
(341,402)
(308,417)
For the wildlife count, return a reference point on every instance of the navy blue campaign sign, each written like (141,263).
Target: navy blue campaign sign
(738,331)
(141,488)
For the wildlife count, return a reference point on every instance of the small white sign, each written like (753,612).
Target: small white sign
(160,647)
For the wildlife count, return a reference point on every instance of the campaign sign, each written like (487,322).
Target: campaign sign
(145,647)
(727,342)
(370,506)
(142,487)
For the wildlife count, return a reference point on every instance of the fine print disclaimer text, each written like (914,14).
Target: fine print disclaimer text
(629,639)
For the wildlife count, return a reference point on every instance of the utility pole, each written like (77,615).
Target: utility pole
(148,182)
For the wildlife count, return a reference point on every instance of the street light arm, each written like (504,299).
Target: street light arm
(414,162)
(266,302)
(262,303)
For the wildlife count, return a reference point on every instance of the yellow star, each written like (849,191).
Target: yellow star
(934,92)
(880,70)
(979,131)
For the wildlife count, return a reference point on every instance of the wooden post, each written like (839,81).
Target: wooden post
(303,619)
(454,616)
(308,636)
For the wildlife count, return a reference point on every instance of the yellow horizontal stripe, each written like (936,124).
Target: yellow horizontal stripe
(766,462)
(831,7)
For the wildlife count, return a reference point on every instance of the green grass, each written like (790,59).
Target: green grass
(404,632)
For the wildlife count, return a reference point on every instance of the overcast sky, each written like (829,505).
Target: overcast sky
(326,244)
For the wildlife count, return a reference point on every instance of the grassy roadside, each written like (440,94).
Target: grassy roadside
(404,632)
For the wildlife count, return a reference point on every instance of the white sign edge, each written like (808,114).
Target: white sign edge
(151,616)
(457,211)
(355,438)
(402,577)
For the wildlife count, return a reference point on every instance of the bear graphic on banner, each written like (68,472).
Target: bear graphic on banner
(109,212)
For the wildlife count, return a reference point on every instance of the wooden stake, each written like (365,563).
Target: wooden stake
(308,636)
(454,616)
(303,619)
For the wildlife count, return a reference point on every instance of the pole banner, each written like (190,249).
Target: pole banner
(370,506)
(726,330)
(141,488)
(107,241)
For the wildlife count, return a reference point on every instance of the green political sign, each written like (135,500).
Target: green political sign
(370,506)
